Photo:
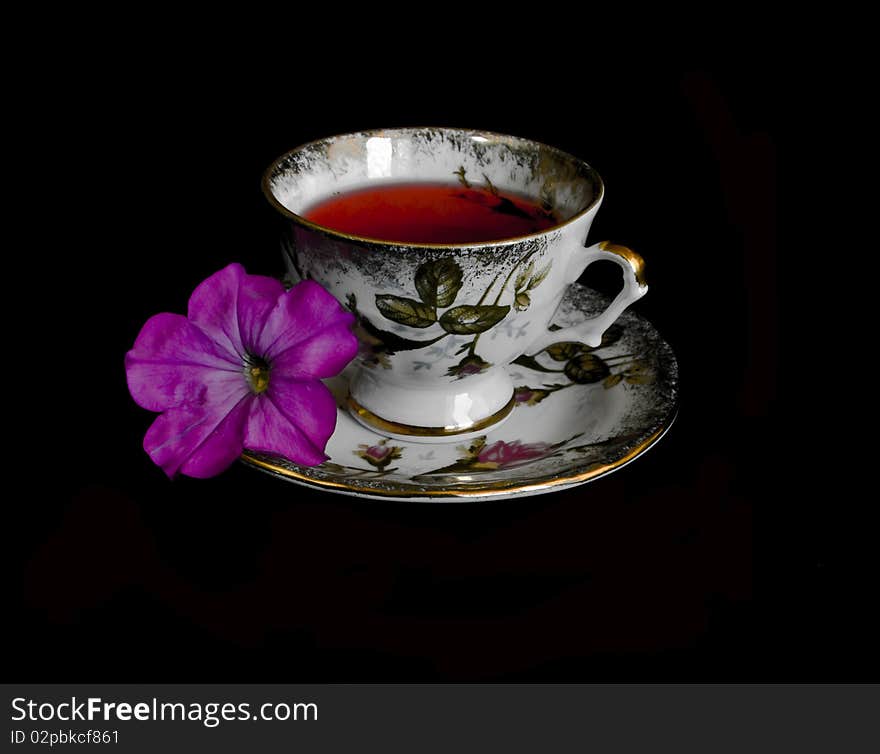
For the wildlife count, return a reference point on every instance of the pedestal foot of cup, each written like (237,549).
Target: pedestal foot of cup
(415,433)
(432,414)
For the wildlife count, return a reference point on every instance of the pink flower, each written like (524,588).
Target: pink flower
(377,452)
(379,455)
(500,454)
(241,370)
(467,366)
(529,396)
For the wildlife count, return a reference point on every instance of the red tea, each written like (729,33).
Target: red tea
(431,213)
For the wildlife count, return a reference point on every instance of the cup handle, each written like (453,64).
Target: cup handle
(634,287)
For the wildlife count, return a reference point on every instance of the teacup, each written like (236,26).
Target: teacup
(440,323)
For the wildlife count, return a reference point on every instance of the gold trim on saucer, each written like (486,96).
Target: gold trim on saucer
(466,491)
(410,430)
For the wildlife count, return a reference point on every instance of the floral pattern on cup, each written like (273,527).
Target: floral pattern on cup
(467,366)
(438,283)
(529,396)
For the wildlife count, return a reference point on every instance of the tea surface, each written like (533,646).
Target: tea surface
(431,213)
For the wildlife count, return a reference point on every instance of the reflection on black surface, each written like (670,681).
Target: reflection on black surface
(626,566)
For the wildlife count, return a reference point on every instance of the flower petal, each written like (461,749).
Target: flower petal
(323,354)
(309,319)
(257,297)
(174,363)
(213,306)
(198,442)
(232,306)
(293,419)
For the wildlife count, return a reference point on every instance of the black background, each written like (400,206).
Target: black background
(692,563)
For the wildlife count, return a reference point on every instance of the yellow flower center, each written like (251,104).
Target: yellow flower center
(257,373)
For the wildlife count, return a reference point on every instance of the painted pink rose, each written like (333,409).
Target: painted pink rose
(500,454)
(379,455)
(467,366)
(377,452)
(528,396)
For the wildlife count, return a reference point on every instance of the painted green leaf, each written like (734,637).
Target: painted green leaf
(439,282)
(392,342)
(540,276)
(564,351)
(521,302)
(529,362)
(523,277)
(586,368)
(468,320)
(611,380)
(476,447)
(639,374)
(405,311)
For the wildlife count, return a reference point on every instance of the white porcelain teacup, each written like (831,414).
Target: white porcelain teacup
(440,323)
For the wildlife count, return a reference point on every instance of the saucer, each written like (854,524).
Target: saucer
(580,413)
